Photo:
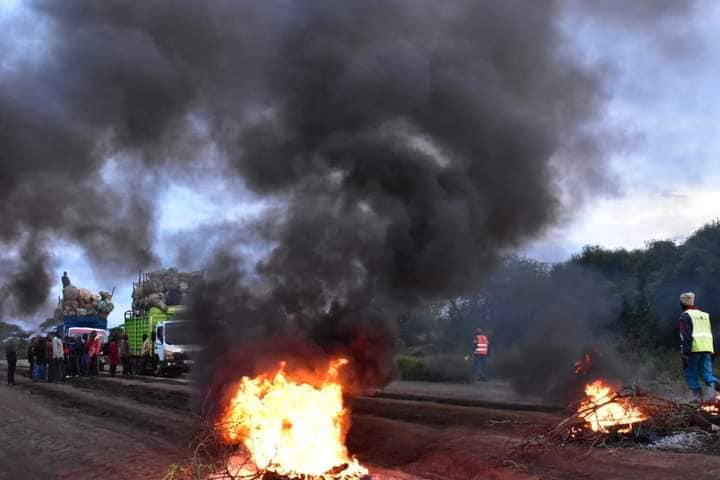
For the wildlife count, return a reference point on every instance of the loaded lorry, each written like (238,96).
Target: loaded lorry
(173,349)
(158,312)
(80,312)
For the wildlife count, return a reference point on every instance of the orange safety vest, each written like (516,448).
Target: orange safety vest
(481,345)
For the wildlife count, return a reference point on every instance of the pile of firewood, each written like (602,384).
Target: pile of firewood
(664,417)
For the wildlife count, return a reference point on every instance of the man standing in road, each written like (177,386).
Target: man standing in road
(31,356)
(147,352)
(40,359)
(481,349)
(58,357)
(125,355)
(94,348)
(11,356)
(49,358)
(696,346)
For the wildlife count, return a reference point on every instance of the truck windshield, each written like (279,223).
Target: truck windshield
(179,333)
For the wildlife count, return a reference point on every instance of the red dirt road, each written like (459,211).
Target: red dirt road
(41,438)
(460,443)
(137,429)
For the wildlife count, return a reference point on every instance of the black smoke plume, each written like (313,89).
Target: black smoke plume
(407,145)
(545,322)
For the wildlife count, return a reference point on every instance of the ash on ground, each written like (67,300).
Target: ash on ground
(696,441)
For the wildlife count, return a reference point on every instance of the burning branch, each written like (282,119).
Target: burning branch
(659,415)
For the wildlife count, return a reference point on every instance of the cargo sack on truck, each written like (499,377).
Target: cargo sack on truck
(163,289)
(83,302)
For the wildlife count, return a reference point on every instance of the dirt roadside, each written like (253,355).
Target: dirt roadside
(41,437)
(398,439)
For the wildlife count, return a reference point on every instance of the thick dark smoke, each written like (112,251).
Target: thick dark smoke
(29,282)
(409,144)
(543,320)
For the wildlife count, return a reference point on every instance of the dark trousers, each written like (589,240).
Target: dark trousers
(479,368)
(58,370)
(127,370)
(32,366)
(84,360)
(94,365)
(73,365)
(12,363)
(113,367)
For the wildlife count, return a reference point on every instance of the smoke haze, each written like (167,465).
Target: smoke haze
(408,146)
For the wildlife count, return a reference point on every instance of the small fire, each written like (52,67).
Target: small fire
(602,410)
(582,367)
(293,429)
(713,407)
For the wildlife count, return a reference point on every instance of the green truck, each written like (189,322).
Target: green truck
(173,350)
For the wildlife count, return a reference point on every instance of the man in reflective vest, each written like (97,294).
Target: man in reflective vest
(696,346)
(481,348)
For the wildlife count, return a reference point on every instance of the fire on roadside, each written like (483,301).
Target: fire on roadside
(582,367)
(292,428)
(604,411)
(713,408)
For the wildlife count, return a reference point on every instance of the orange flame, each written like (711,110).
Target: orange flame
(292,429)
(712,407)
(601,410)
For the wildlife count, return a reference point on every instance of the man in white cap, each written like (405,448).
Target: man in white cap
(696,346)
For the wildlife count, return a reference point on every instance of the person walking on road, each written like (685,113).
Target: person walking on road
(114,356)
(125,355)
(11,357)
(480,351)
(696,346)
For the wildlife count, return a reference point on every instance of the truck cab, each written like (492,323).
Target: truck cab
(174,346)
(76,326)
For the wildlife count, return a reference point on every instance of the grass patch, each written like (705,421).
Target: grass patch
(434,368)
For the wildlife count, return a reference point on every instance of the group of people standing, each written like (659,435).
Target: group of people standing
(52,359)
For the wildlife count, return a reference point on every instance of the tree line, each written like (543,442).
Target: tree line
(627,298)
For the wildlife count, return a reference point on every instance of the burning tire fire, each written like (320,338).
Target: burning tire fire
(603,410)
(292,428)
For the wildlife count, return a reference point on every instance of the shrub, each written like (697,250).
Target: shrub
(434,368)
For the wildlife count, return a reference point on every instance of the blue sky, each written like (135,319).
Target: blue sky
(663,103)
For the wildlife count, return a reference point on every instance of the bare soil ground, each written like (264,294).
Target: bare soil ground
(43,438)
(137,428)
